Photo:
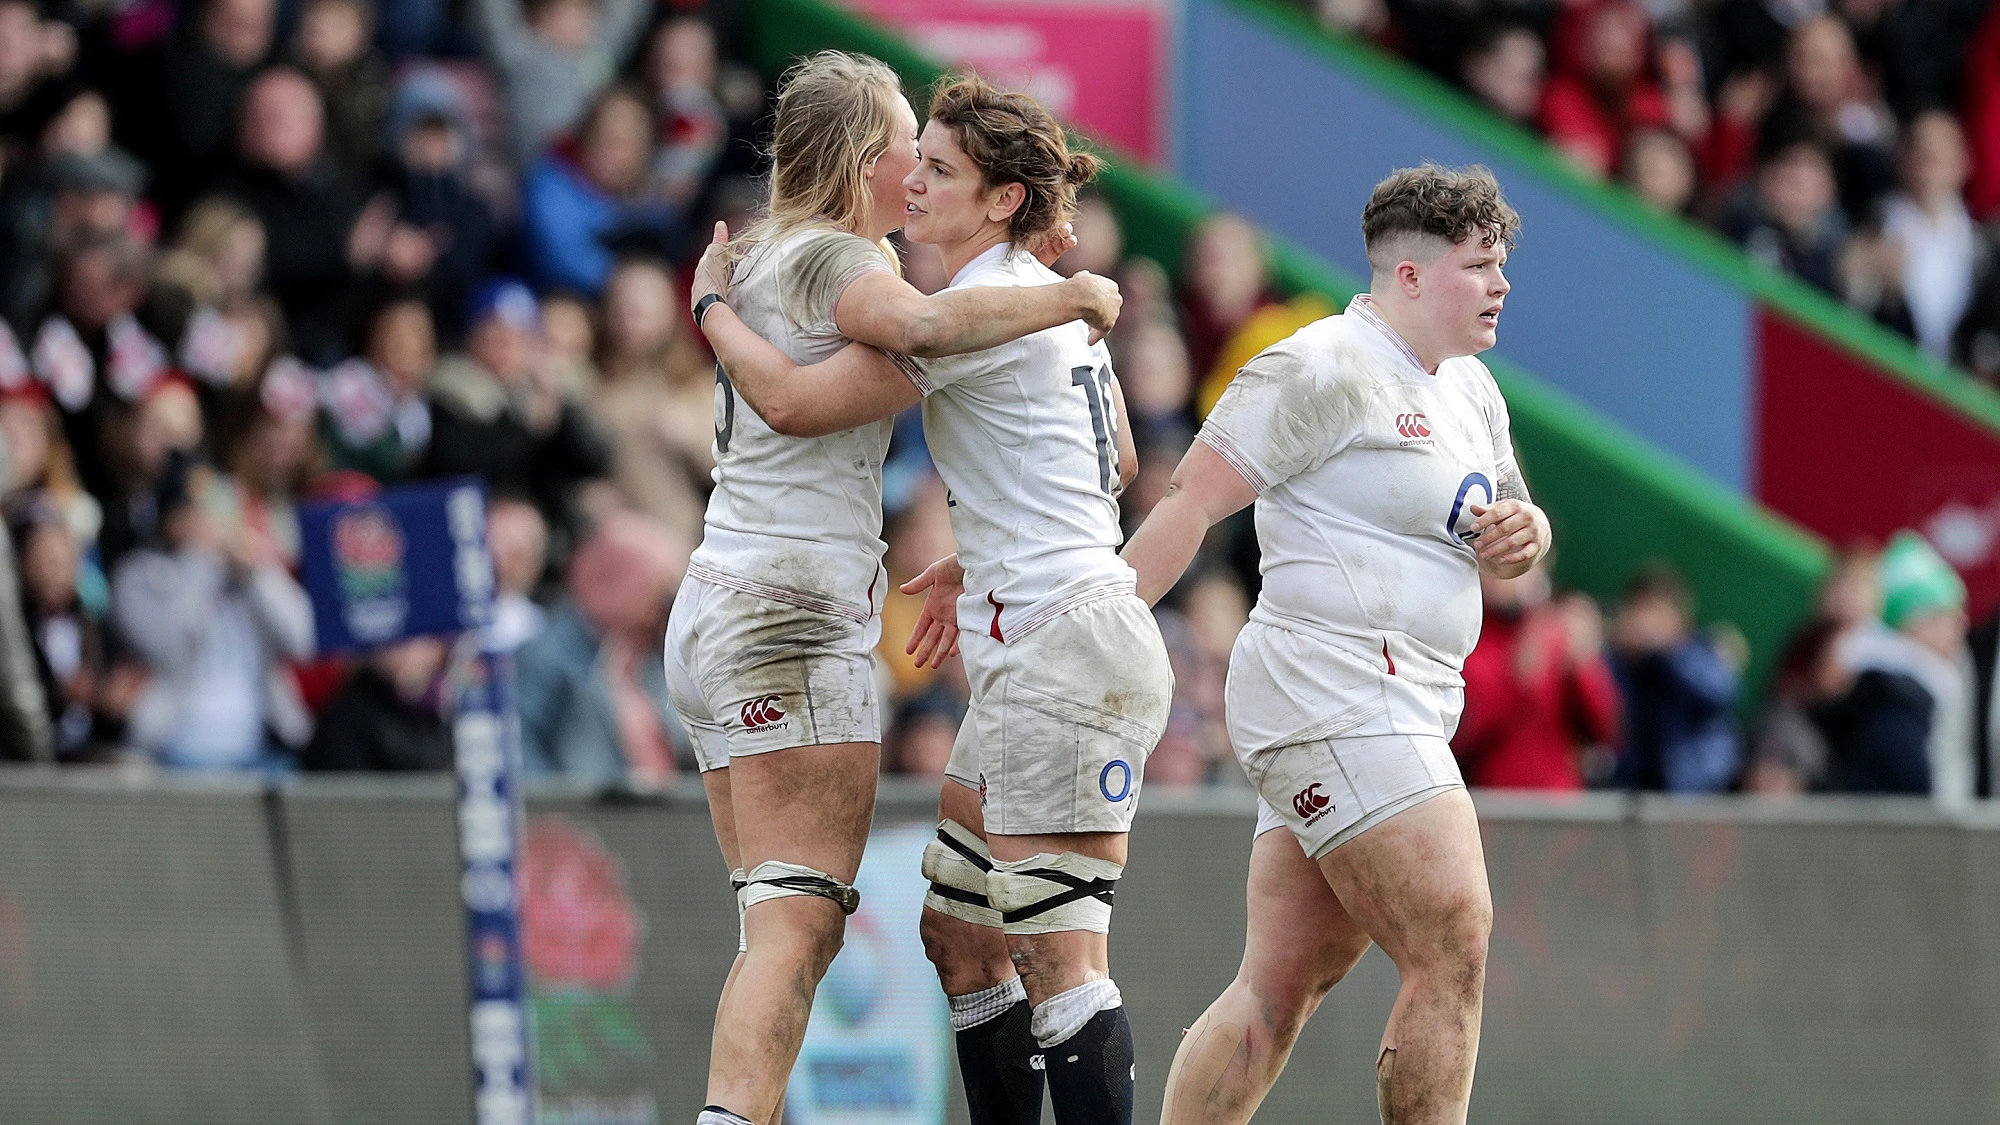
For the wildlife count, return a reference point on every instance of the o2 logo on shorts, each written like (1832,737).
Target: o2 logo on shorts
(1311,804)
(1124,772)
(1465,487)
(763,713)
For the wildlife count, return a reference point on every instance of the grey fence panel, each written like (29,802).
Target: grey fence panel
(374,881)
(145,974)
(182,953)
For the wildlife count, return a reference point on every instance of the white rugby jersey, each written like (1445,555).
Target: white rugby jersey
(1025,436)
(1365,466)
(797,520)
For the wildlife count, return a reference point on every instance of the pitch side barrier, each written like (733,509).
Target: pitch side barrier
(214,953)
(1756,380)
(1615,499)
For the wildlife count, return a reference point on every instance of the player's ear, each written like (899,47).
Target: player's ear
(1007,199)
(1409,278)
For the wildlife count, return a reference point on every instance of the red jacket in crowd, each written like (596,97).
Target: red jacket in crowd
(1531,705)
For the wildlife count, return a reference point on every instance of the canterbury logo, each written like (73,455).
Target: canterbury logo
(1310,802)
(1413,426)
(761,713)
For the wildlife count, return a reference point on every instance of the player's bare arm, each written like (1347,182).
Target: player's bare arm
(1512,533)
(1205,490)
(882,309)
(854,386)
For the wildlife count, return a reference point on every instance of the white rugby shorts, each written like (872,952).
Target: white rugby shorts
(1334,744)
(749,675)
(1063,718)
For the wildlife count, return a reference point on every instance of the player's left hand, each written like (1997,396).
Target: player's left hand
(935,635)
(1512,536)
(711,274)
(1054,244)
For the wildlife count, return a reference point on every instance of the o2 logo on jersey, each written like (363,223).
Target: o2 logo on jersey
(1465,487)
(725,409)
(1116,768)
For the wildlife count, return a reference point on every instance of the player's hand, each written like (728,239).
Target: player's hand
(935,636)
(1098,301)
(1053,244)
(1512,535)
(711,274)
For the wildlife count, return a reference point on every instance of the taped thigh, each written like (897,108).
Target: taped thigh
(777,879)
(957,863)
(1047,894)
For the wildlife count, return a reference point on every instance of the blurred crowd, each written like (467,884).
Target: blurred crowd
(1854,144)
(264,252)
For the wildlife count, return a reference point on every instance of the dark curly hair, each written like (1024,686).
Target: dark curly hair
(1015,141)
(1432,201)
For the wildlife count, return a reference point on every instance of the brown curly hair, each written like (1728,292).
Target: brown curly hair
(1432,201)
(1015,141)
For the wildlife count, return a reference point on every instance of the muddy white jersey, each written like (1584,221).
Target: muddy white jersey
(1365,467)
(798,520)
(1025,437)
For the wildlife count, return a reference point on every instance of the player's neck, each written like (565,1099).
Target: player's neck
(1402,320)
(957,255)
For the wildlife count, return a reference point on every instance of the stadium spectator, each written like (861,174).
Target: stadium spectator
(1153,368)
(217,259)
(78,685)
(1539,694)
(1937,246)
(553,62)
(925,727)
(1600,88)
(53,205)
(1829,101)
(1504,66)
(25,733)
(285,178)
(497,412)
(592,686)
(215,625)
(683,72)
(581,198)
(332,48)
(178,107)
(518,539)
(1789,749)
(1659,166)
(271,455)
(1792,221)
(138,441)
(656,400)
(1677,687)
(1913,669)
(377,420)
(1100,240)
(35,59)
(429,175)
(388,716)
(1226,282)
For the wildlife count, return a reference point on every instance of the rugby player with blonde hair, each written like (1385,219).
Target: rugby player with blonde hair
(1070,679)
(770,645)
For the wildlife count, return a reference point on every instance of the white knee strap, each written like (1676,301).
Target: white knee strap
(1047,894)
(777,879)
(956,863)
(738,882)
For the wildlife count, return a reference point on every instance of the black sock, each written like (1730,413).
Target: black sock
(1090,1073)
(1001,1085)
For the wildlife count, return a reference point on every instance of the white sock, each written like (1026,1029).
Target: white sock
(1065,1013)
(976,1008)
(716,1115)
